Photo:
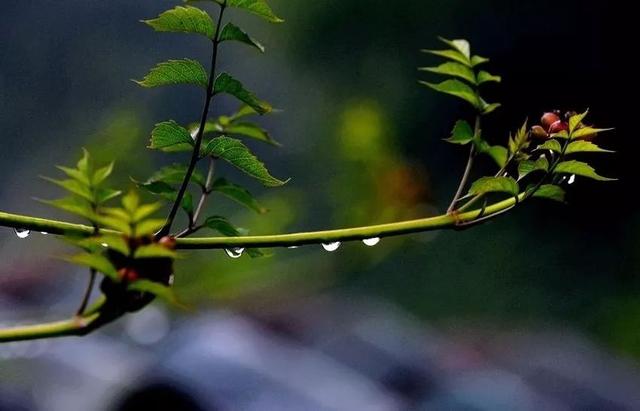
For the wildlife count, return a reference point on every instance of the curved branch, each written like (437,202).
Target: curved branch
(280,240)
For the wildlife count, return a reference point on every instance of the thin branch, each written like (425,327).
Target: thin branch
(195,156)
(467,170)
(206,193)
(283,240)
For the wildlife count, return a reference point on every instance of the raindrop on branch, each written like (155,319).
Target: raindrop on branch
(22,233)
(572,179)
(234,252)
(370,242)
(331,246)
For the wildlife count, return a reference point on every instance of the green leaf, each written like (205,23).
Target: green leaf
(174,72)
(113,242)
(550,192)
(251,130)
(477,60)
(184,20)
(231,32)
(98,262)
(495,185)
(222,225)
(154,251)
(552,145)
(527,167)
(462,133)
(582,146)
(238,194)
(451,55)
(73,205)
(490,108)
(131,202)
(458,89)
(453,69)
(257,7)
(460,45)
(499,154)
(144,211)
(105,194)
(238,155)
(187,204)
(562,135)
(521,140)
(102,174)
(81,177)
(74,187)
(229,85)
(576,120)
(157,289)
(588,131)
(150,226)
(168,135)
(174,174)
(484,77)
(580,168)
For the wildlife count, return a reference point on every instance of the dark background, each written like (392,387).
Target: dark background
(362,145)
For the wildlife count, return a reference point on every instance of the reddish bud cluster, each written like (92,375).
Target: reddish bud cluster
(552,123)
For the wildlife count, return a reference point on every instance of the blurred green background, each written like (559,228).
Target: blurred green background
(362,144)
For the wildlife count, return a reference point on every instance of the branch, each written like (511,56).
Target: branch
(445,221)
(467,170)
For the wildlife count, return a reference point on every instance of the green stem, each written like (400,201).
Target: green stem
(467,170)
(282,240)
(77,326)
(195,155)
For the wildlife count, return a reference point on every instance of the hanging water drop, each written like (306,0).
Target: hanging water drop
(22,233)
(44,233)
(331,246)
(293,247)
(370,242)
(572,179)
(234,252)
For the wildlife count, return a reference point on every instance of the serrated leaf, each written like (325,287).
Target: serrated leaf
(258,7)
(550,192)
(588,131)
(561,135)
(231,32)
(98,262)
(168,135)
(154,251)
(173,72)
(174,174)
(527,167)
(460,45)
(576,120)
(580,168)
(157,289)
(458,89)
(226,84)
(221,225)
(495,185)
(552,145)
(477,60)
(484,77)
(238,194)
(499,154)
(451,55)
(453,69)
(582,146)
(144,211)
(462,133)
(184,20)
(238,155)
(251,130)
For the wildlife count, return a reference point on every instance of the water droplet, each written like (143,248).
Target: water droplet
(331,246)
(234,252)
(293,247)
(572,179)
(194,132)
(44,233)
(22,233)
(105,245)
(370,242)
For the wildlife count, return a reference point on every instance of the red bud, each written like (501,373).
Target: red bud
(168,242)
(548,119)
(558,126)
(539,132)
